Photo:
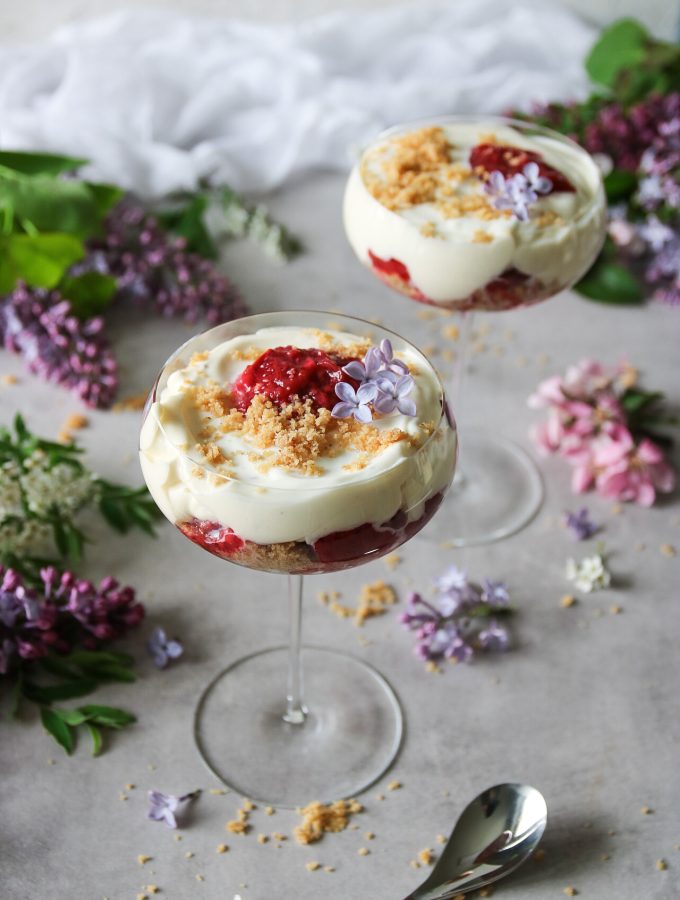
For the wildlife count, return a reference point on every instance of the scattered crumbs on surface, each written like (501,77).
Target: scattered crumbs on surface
(278,836)
(151,767)
(431,350)
(329,869)
(486,892)
(668,550)
(615,609)
(425,314)
(363,851)
(570,891)
(178,837)
(142,896)
(369,835)
(200,877)
(567,600)
(448,355)
(237,826)
(312,866)
(374,600)
(379,796)
(394,785)
(392,560)
(218,791)
(445,793)
(269,810)
(130,787)
(248,805)
(452,332)
(611,832)
(122,796)
(661,865)
(318,818)
(414,864)
(152,889)
(143,859)
(188,855)
(426,857)
(133,402)
(617,509)
(646,810)
(354,827)
(432,667)
(539,854)
(459,897)
(51,762)
(222,848)
(9,379)
(262,838)
(641,546)
(604,857)
(441,839)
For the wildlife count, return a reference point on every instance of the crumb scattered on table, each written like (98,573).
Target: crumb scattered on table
(312,866)
(262,838)
(426,857)
(318,818)
(394,785)
(646,811)
(668,550)
(570,891)
(363,851)
(661,865)
(567,600)
(143,859)
(392,560)
(441,839)
(222,848)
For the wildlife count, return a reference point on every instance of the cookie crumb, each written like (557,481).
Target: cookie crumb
(432,667)
(142,896)
(486,892)
(604,857)
(661,865)
(262,838)
(218,791)
(200,878)
(152,889)
(570,891)
(248,805)
(312,866)
(441,839)
(394,785)
(143,859)
(329,869)
(318,818)
(277,836)
(369,835)
(611,832)
(646,810)
(414,864)
(188,855)
(668,550)
(567,601)
(222,848)
(392,560)
(178,837)
(9,379)
(615,609)
(426,857)
(379,796)
(363,851)
(617,509)
(269,810)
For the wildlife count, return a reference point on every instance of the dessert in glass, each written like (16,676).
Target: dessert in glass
(288,443)
(478,213)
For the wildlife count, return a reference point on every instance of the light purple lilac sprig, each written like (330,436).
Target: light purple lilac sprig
(461,620)
(384,381)
(163,807)
(518,192)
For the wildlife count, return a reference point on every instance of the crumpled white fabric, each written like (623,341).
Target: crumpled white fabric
(158,101)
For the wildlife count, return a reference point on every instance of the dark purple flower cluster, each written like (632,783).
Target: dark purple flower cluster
(154,268)
(63,613)
(58,346)
(460,620)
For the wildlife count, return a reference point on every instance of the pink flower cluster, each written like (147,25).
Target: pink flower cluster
(588,425)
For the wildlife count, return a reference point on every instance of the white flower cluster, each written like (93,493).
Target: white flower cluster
(588,575)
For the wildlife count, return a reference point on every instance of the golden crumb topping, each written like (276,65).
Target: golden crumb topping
(318,818)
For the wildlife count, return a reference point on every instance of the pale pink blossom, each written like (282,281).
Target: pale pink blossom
(629,472)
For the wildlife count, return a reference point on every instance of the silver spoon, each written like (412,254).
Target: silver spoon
(493,836)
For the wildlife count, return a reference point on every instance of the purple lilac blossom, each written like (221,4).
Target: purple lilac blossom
(519,191)
(494,637)
(354,403)
(393,391)
(162,649)
(162,807)
(580,524)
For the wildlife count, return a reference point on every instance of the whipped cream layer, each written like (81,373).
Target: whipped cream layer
(459,255)
(271,504)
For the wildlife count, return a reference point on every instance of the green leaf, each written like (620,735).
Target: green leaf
(187,222)
(55,665)
(67,690)
(60,731)
(620,45)
(40,260)
(88,658)
(39,163)
(105,196)
(50,204)
(89,293)
(633,401)
(112,672)
(107,715)
(96,735)
(71,716)
(619,185)
(610,282)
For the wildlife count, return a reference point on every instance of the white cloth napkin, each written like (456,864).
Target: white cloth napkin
(159,100)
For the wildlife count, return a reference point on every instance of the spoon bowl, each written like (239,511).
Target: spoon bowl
(495,834)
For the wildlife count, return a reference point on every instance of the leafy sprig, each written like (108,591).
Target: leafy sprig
(62,724)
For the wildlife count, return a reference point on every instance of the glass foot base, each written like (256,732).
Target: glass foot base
(497,491)
(348,740)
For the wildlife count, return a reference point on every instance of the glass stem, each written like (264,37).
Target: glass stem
(456,393)
(296,711)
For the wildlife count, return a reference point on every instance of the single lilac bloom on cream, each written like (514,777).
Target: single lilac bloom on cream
(354,403)
(518,192)
(367,370)
(536,182)
(389,360)
(162,807)
(162,649)
(393,393)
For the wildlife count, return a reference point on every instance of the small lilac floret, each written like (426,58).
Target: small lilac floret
(162,807)
(163,650)
(494,637)
(354,403)
(393,393)
(580,524)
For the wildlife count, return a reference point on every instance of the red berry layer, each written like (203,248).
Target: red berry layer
(511,160)
(285,372)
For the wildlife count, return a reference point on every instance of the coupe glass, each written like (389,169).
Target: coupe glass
(276,745)
(498,488)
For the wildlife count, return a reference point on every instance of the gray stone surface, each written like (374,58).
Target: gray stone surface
(584,706)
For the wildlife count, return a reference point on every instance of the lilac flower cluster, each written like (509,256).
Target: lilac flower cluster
(460,620)
(40,326)
(383,381)
(154,268)
(62,613)
(519,191)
